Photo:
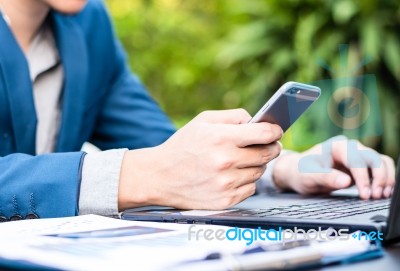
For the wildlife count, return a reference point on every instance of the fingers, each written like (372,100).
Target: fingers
(255,134)
(257,155)
(245,191)
(334,180)
(242,135)
(312,183)
(378,169)
(239,194)
(359,160)
(370,160)
(231,116)
(239,177)
(390,169)
(250,175)
(249,157)
(379,177)
(356,165)
(237,187)
(361,178)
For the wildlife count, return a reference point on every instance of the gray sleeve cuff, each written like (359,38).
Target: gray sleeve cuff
(266,182)
(100,180)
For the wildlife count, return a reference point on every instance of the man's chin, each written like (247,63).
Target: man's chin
(69,7)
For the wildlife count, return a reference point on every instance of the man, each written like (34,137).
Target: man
(64,81)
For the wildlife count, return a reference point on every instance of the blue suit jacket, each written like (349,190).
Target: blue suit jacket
(103,103)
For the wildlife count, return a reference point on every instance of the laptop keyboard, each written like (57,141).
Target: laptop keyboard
(324,209)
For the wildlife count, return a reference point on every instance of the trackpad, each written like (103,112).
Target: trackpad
(379,218)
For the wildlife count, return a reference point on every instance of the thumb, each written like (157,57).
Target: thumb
(333,180)
(231,116)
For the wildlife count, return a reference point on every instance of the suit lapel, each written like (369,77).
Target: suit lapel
(19,90)
(72,50)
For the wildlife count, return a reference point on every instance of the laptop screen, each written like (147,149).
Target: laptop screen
(393,225)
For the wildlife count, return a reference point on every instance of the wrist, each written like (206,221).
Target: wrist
(283,172)
(135,181)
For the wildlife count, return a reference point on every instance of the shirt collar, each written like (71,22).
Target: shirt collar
(42,54)
(5,17)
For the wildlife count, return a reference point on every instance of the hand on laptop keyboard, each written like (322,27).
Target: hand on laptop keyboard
(336,164)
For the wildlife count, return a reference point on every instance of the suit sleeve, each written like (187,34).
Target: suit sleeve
(44,185)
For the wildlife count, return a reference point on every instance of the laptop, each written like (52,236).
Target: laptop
(292,210)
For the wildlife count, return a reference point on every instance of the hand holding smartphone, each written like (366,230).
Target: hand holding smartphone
(290,101)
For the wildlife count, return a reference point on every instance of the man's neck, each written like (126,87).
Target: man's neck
(25,18)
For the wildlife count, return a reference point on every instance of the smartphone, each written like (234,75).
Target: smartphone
(290,101)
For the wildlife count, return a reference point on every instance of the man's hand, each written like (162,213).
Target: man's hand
(211,163)
(336,164)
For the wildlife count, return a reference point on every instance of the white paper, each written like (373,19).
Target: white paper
(112,244)
(59,225)
(166,245)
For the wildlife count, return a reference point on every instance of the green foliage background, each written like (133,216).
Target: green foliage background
(196,55)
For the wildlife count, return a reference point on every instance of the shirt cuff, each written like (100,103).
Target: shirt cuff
(100,180)
(266,182)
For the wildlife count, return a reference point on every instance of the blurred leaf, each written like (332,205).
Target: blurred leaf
(282,60)
(391,55)
(249,32)
(344,10)
(371,38)
(237,52)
